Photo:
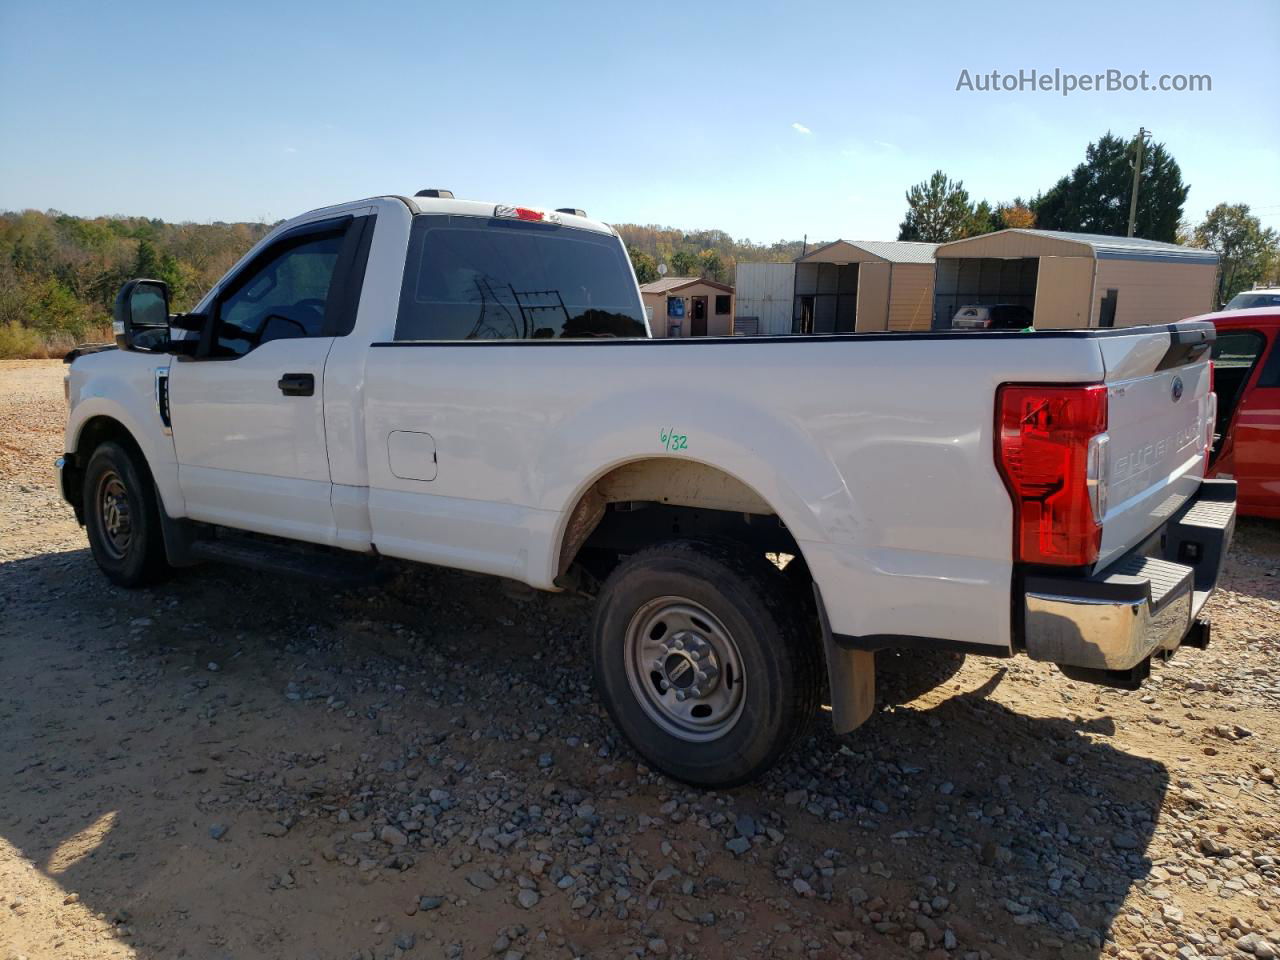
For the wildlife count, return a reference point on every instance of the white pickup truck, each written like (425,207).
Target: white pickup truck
(473,385)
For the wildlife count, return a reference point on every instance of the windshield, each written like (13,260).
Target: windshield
(470,278)
(1244,301)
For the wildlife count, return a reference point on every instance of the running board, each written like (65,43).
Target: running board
(292,560)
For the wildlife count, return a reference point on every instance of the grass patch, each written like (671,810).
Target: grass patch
(24,343)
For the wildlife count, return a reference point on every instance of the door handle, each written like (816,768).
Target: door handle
(297,384)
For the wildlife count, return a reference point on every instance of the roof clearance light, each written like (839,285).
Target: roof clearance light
(524,213)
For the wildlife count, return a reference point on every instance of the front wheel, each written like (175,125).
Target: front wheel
(703,658)
(122,518)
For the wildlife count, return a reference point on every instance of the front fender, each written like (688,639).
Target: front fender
(121,386)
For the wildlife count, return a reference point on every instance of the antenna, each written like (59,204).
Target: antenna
(662,269)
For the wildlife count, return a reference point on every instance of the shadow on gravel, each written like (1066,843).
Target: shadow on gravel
(1035,828)
(1038,818)
(903,676)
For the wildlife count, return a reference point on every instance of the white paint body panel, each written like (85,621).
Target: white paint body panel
(876,452)
(892,493)
(122,386)
(1157,443)
(248,455)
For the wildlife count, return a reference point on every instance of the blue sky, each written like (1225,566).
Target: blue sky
(766,120)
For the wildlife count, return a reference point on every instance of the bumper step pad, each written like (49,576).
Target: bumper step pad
(1106,628)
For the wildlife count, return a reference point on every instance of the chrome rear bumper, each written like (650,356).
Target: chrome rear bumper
(1110,624)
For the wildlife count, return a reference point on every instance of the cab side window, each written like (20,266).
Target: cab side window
(1234,354)
(284,297)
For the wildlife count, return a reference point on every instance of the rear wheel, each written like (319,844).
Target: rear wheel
(704,660)
(122,518)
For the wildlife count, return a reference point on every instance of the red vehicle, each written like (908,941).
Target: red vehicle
(1246,366)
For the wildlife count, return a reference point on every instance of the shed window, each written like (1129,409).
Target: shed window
(722,304)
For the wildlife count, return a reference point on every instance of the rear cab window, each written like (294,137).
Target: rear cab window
(475,278)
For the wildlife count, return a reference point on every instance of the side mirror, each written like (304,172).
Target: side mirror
(180,324)
(141,317)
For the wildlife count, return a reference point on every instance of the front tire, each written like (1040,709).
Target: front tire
(705,662)
(122,518)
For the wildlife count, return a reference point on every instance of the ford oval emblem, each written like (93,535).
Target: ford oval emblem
(1177,389)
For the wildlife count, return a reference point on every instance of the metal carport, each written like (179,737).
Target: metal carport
(1074,279)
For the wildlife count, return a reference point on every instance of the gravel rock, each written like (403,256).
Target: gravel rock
(528,899)
(481,880)
(391,835)
(441,724)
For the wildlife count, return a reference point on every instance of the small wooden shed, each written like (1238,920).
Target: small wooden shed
(688,307)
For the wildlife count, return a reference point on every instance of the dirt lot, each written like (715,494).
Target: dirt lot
(230,766)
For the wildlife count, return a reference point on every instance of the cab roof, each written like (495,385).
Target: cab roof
(476,208)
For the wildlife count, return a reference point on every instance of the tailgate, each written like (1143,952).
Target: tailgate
(1158,416)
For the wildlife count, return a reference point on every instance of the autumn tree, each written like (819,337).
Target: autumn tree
(711,266)
(1245,250)
(937,210)
(684,263)
(645,266)
(1094,197)
(1015,215)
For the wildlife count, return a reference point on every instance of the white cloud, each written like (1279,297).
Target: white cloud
(800,128)
(290,149)
(886,144)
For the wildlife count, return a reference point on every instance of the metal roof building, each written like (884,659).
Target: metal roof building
(1074,279)
(864,285)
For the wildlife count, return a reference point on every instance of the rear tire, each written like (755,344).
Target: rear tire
(705,660)
(122,518)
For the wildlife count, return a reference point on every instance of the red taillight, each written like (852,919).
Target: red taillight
(1051,448)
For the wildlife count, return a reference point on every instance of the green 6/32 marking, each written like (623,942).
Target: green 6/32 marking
(671,440)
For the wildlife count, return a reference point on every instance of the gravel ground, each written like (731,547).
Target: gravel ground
(230,766)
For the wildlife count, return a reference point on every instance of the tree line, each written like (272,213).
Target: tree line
(59,274)
(699,253)
(1094,198)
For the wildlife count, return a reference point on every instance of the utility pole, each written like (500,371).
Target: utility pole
(1143,133)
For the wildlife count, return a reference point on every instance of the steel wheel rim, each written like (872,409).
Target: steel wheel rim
(114,517)
(684,669)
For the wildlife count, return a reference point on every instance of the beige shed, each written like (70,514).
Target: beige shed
(1074,279)
(864,285)
(688,307)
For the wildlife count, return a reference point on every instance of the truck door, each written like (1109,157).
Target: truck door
(1255,435)
(247,409)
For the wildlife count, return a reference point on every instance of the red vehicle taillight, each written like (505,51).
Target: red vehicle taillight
(1051,449)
